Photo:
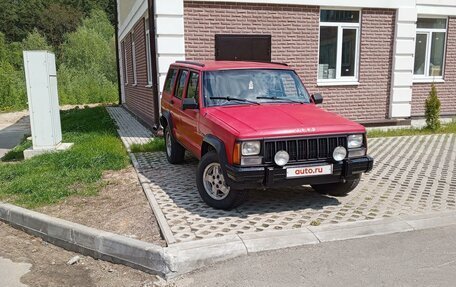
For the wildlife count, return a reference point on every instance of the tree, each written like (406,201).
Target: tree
(35,41)
(19,17)
(433,110)
(90,47)
(54,18)
(57,20)
(87,6)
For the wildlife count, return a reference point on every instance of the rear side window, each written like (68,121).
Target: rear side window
(170,80)
(181,84)
(192,90)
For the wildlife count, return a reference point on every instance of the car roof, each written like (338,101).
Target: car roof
(229,65)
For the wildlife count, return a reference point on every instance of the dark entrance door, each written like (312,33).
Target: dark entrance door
(243,48)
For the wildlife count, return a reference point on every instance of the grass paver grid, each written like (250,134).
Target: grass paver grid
(412,175)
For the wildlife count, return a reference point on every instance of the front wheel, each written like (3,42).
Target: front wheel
(212,186)
(337,189)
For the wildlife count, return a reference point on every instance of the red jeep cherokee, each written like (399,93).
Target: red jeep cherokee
(255,125)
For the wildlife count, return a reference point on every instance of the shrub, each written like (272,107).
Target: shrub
(12,88)
(432,113)
(86,64)
(88,71)
(85,87)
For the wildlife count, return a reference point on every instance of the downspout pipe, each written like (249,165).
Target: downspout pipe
(116,35)
(154,70)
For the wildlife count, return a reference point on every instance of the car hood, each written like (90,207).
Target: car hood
(281,120)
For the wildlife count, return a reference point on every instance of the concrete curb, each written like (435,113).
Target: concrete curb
(88,241)
(161,219)
(184,257)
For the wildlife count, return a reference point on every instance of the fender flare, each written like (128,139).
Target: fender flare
(166,119)
(219,147)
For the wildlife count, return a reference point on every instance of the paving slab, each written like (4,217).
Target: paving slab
(272,240)
(430,220)
(343,231)
(188,256)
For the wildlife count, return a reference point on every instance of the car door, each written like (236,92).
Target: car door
(190,117)
(176,103)
(168,91)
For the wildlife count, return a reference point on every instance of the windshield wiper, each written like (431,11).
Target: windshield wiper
(234,99)
(280,99)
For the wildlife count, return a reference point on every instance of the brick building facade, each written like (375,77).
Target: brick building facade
(387,84)
(447,88)
(295,31)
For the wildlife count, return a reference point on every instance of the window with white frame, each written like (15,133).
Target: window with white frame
(125,63)
(339,46)
(430,47)
(133,58)
(148,54)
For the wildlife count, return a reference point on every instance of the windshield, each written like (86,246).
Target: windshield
(234,87)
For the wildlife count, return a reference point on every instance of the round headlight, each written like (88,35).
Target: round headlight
(281,158)
(339,153)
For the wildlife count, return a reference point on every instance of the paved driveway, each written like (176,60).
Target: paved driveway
(411,175)
(13,127)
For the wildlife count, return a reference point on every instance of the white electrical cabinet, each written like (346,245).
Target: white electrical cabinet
(43,99)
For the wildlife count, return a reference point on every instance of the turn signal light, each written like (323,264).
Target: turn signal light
(237,153)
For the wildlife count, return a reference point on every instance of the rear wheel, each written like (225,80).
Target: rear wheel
(212,186)
(337,189)
(174,151)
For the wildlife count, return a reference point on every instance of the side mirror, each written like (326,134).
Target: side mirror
(189,104)
(317,98)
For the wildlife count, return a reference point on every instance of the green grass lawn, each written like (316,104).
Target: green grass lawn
(48,178)
(156,144)
(445,129)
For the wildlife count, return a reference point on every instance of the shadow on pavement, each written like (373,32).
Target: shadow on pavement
(176,189)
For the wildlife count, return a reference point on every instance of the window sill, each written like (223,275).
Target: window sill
(148,86)
(428,80)
(337,83)
(134,85)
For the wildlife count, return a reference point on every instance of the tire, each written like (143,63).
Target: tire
(174,151)
(337,189)
(214,192)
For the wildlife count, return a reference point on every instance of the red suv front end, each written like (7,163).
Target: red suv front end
(255,125)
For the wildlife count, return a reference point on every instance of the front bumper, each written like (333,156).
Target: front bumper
(273,176)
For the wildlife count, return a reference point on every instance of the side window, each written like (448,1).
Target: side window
(192,89)
(170,80)
(181,84)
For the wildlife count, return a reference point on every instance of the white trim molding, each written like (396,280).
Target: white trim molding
(403,55)
(436,7)
(169,17)
(137,12)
